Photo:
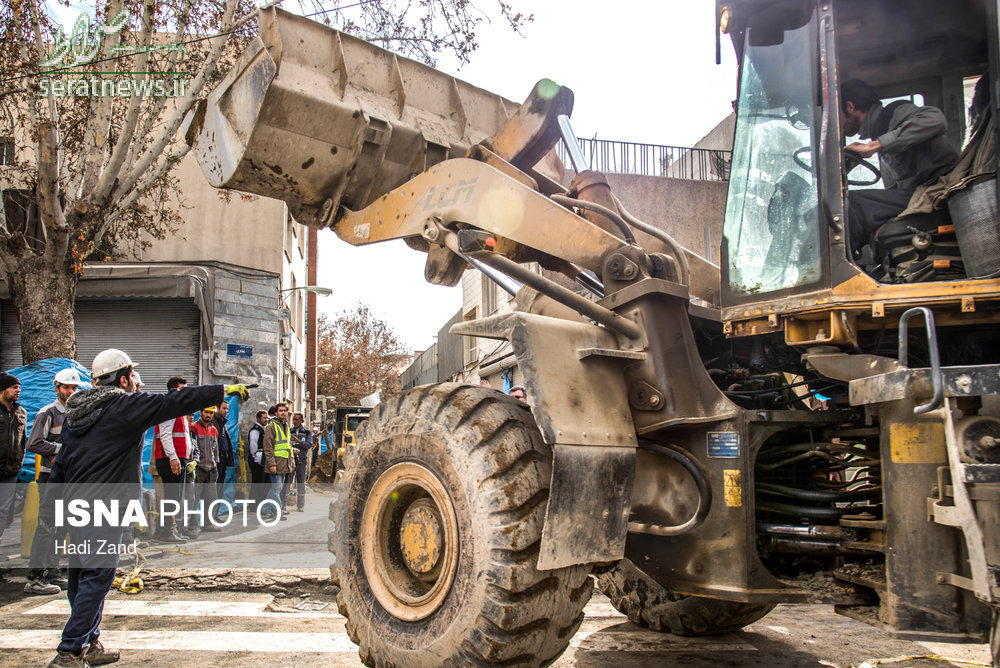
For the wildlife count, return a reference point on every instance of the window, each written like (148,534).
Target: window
(489,296)
(293,311)
(772,226)
(471,342)
(299,315)
(6,151)
(289,235)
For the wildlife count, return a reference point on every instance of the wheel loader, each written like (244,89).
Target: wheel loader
(815,420)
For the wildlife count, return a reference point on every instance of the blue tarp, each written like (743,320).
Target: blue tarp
(37,392)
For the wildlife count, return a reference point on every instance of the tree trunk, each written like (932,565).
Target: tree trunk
(43,296)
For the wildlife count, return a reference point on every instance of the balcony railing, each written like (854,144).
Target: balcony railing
(623,157)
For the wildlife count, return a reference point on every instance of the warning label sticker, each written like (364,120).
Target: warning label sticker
(733,486)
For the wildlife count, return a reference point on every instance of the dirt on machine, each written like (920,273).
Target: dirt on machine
(815,420)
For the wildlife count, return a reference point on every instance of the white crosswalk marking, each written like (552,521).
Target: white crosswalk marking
(140,608)
(599,632)
(191,641)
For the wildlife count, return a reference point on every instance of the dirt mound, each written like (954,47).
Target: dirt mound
(322,468)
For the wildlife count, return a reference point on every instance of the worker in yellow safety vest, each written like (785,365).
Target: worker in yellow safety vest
(279,464)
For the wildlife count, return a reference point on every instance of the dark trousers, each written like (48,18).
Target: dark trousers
(173,489)
(258,481)
(868,210)
(43,559)
(301,475)
(8,488)
(221,482)
(86,591)
(206,489)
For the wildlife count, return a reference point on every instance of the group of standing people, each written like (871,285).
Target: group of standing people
(276,456)
(191,459)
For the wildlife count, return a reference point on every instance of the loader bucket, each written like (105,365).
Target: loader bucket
(320,119)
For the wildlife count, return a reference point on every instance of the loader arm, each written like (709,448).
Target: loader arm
(354,137)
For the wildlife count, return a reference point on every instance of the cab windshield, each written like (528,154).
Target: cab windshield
(772,229)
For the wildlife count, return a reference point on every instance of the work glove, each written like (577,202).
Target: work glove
(239,390)
(189,467)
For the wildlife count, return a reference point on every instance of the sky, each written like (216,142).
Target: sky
(641,71)
(644,72)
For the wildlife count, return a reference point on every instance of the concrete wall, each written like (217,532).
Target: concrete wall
(422,371)
(242,233)
(684,208)
(721,136)
(245,314)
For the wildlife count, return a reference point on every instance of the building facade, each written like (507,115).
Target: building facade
(220,301)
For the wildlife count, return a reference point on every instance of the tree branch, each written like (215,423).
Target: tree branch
(126,136)
(95,139)
(49,210)
(167,134)
(153,112)
(126,202)
(37,26)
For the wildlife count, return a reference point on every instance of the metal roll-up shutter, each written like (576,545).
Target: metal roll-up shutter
(10,336)
(160,335)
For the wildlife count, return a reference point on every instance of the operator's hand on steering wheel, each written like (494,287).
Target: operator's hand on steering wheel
(865,150)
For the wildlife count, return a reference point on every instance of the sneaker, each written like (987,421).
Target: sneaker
(171,537)
(54,577)
(68,660)
(98,656)
(211,528)
(41,588)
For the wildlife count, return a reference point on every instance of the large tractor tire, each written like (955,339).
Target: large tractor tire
(442,503)
(646,603)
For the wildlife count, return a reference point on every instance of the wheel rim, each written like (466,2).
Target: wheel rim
(409,541)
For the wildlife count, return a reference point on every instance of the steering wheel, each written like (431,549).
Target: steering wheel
(851,160)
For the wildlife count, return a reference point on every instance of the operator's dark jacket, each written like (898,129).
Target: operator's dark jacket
(102,438)
(915,147)
(12,430)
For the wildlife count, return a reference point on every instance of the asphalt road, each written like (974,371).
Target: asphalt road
(191,615)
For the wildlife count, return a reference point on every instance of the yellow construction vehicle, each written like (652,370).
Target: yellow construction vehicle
(709,441)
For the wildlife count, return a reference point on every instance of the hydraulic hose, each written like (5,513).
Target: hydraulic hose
(597,208)
(704,492)
(675,248)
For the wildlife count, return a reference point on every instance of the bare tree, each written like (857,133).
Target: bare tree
(90,126)
(365,354)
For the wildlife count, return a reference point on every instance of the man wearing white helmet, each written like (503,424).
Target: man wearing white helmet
(46,437)
(102,445)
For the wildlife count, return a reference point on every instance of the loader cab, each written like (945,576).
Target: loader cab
(786,246)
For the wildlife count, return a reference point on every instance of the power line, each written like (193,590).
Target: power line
(69,68)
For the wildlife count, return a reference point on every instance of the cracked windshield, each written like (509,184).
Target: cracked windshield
(770,223)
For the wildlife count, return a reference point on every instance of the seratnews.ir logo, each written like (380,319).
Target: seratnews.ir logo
(81,47)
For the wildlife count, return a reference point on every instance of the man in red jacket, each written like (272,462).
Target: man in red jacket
(172,450)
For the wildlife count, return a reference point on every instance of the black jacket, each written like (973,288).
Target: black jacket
(12,429)
(102,437)
(225,442)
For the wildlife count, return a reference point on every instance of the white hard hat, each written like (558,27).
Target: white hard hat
(138,379)
(67,377)
(108,362)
